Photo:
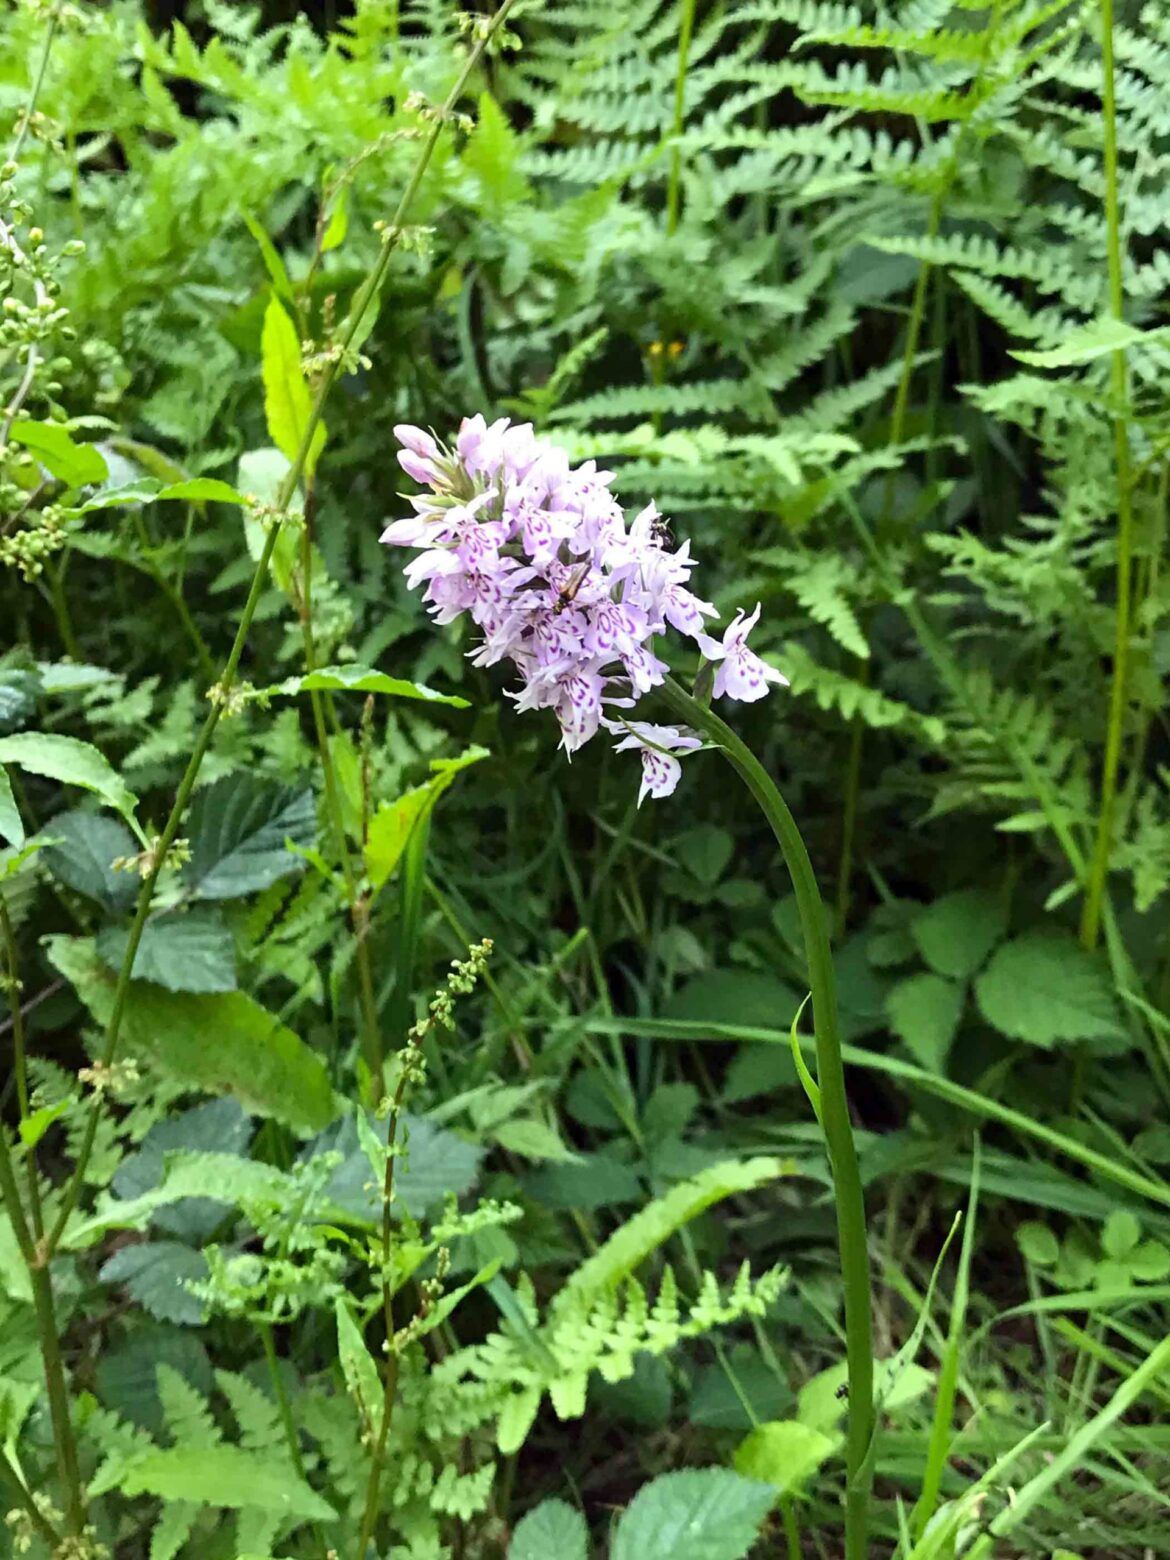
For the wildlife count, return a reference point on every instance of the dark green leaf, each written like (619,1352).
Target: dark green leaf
(700,1514)
(89,844)
(155,1275)
(238,827)
(192,952)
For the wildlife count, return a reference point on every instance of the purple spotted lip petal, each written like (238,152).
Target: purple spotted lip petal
(541,558)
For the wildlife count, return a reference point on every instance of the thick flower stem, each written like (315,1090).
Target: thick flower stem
(834,1105)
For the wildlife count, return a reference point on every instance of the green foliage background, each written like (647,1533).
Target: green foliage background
(835,292)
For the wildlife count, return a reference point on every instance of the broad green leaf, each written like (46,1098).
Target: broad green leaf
(390,830)
(1121,1234)
(222,1043)
(273,263)
(633,1241)
(551,1531)
(156,1274)
(753,996)
(217,1127)
(1037,1244)
(533,1140)
(784,1453)
(203,490)
(87,845)
(192,952)
(71,463)
(957,932)
(338,224)
(71,676)
(142,490)
(1043,987)
(238,827)
(287,400)
(220,1178)
(361,679)
(225,1476)
(69,761)
(436,1164)
(699,1514)
(34,1126)
(19,688)
(924,1011)
(362,1380)
(11,826)
(1095,340)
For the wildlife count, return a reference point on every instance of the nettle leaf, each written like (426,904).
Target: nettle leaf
(11,824)
(698,1514)
(957,932)
(221,1043)
(924,1011)
(218,1127)
(238,827)
(192,952)
(71,463)
(87,845)
(156,1274)
(1043,987)
(71,762)
(18,694)
(552,1529)
(225,1476)
(288,402)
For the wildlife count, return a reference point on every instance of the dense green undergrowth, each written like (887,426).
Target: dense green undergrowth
(405,1151)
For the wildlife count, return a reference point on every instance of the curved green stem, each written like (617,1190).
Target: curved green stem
(1119,387)
(838,1129)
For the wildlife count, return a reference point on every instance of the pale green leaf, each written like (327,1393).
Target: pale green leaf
(784,1453)
(1043,987)
(203,490)
(699,1514)
(287,400)
(533,1139)
(357,1366)
(551,1531)
(1094,340)
(71,463)
(11,825)
(633,1241)
(70,761)
(225,1476)
(338,225)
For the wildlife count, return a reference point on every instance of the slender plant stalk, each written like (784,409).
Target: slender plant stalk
(19,1063)
(36,1516)
(941,1434)
(1119,388)
(358,908)
(838,1129)
(686,26)
(364,297)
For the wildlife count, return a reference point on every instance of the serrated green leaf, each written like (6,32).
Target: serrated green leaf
(551,1531)
(11,824)
(203,490)
(633,1241)
(533,1139)
(71,463)
(924,1011)
(155,1275)
(699,1514)
(86,846)
(225,1476)
(192,952)
(71,762)
(287,401)
(238,827)
(1043,987)
(1094,340)
(222,1043)
(956,933)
